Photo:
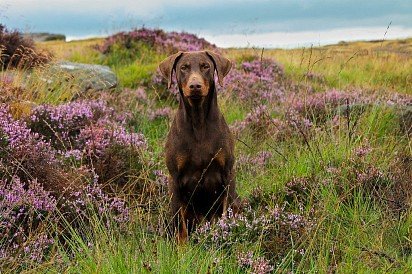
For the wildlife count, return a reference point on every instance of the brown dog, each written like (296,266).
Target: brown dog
(199,147)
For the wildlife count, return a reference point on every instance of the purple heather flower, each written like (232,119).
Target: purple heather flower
(161,177)
(362,151)
(94,195)
(84,126)
(141,94)
(251,225)
(257,80)
(257,265)
(20,204)
(159,113)
(35,250)
(168,42)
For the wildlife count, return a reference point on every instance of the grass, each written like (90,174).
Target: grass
(132,68)
(137,252)
(354,231)
(368,65)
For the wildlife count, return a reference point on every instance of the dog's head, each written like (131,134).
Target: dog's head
(195,72)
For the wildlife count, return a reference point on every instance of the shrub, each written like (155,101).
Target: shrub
(259,123)
(19,52)
(22,208)
(62,124)
(281,229)
(21,147)
(27,210)
(91,132)
(256,81)
(318,106)
(159,40)
(38,188)
(256,265)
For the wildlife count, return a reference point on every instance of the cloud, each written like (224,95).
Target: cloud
(211,17)
(306,38)
(140,8)
(145,9)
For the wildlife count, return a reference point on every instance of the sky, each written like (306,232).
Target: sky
(262,23)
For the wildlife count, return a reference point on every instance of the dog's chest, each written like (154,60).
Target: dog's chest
(200,155)
(202,164)
(202,176)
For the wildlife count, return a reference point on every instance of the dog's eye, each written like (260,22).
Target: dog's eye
(205,66)
(184,67)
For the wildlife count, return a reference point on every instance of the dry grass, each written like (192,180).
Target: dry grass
(369,65)
(65,50)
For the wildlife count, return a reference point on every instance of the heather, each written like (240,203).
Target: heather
(163,42)
(323,168)
(256,81)
(134,54)
(50,170)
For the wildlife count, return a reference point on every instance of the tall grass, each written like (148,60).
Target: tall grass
(376,66)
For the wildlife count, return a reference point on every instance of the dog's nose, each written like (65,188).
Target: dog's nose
(195,86)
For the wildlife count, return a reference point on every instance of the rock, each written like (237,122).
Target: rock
(88,76)
(403,113)
(354,109)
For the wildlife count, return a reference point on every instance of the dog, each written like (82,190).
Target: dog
(199,147)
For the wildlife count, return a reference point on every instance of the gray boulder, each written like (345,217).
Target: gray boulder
(403,113)
(88,76)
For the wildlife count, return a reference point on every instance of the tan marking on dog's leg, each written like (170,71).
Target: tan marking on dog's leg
(183,233)
(225,203)
(180,161)
(220,158)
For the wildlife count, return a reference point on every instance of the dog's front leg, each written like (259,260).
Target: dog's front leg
(178,211)
(231,199)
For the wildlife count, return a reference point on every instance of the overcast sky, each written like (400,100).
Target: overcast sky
(227,23)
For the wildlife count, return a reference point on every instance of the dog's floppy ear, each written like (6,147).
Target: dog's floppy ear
(222,64)
(167,65)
